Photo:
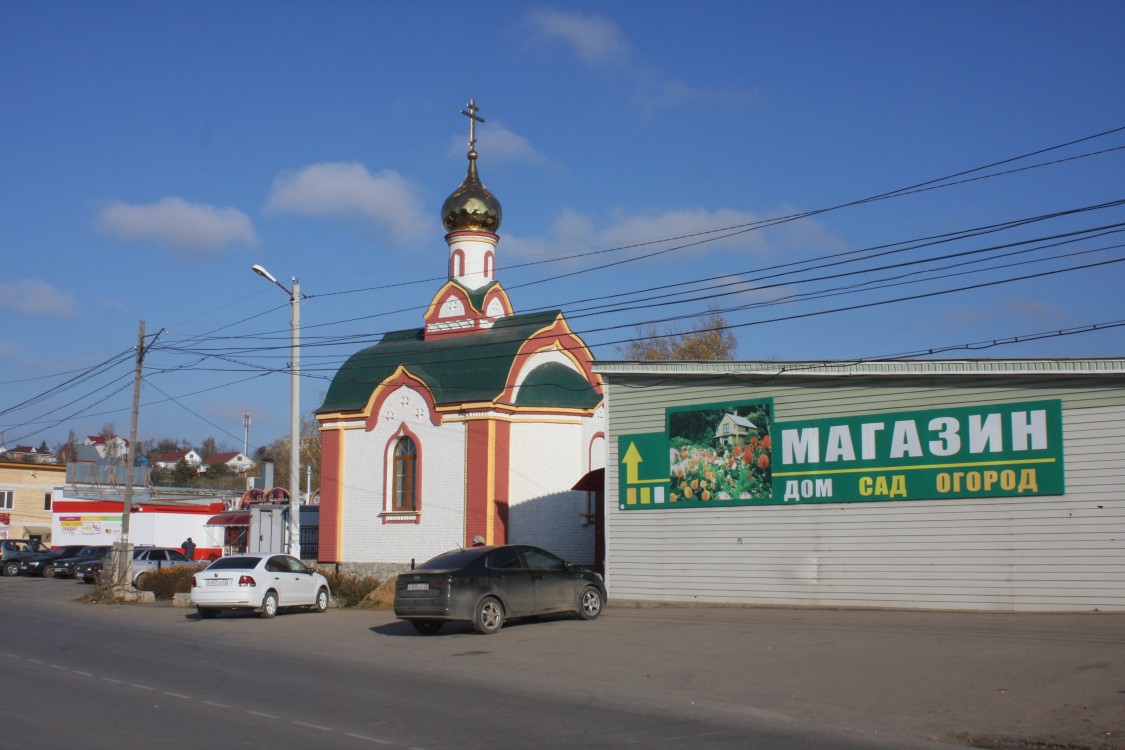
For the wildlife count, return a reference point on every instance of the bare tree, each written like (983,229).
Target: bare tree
(709,339)
(68,451)
(278,452)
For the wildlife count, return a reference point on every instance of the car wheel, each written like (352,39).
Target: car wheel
(142,580)
(321,600)
(427,627)
(269,605)
(207,613)
(489,616)
(11,568)
(48,572)
(589,603)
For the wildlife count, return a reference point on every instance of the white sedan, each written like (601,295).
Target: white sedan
(263,582)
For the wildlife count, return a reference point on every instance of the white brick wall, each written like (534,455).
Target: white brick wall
(442,449)
(546,461)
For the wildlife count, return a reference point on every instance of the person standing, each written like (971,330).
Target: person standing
(189,548)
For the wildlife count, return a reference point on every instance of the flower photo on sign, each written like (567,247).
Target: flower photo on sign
(720,454)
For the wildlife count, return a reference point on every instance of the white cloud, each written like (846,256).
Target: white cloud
(499,145)
(600,44)
(683,232)
(190,230)
(347,188)
(37,297)
(593,39)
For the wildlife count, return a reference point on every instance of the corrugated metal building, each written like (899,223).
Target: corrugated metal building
(973,484)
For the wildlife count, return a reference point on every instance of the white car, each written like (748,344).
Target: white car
(264,582)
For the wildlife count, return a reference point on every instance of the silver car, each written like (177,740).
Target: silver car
(263,582)
(146,561)
(149,559)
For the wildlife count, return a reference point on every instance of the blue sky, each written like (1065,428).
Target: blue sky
(152,152)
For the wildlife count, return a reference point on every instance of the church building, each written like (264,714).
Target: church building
(470,429)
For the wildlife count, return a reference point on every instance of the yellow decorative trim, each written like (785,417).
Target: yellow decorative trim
(400,371)
(431,311)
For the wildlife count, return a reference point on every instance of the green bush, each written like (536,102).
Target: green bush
(168,581)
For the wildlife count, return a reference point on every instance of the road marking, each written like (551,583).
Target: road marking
(178,695)
(110,679)
(84,674)
(369,739)
(55,666)
(216,705)
(312,726)
(264,716)
(35,661)
(144,687)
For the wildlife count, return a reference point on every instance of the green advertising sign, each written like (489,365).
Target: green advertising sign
(998,450)
(727,454)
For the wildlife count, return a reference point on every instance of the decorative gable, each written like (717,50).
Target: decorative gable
(457,310)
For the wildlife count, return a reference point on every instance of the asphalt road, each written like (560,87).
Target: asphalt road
(113,676)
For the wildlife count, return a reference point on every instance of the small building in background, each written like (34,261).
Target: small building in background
(25,499)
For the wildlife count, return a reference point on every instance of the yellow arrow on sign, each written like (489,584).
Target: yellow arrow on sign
(632,461)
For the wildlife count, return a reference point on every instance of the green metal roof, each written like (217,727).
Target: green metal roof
(472,367)
(555,384)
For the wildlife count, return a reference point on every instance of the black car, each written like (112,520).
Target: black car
(40,564)
(488,585)
(63,567)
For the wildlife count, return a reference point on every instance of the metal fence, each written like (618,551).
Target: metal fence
(310,542)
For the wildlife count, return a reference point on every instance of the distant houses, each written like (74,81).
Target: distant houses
(28,454)
(235,462)
(97,454)
(108,446)
(170,459)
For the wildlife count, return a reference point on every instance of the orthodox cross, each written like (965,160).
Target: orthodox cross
(474,118)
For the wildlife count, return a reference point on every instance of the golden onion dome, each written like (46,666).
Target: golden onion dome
(471,206)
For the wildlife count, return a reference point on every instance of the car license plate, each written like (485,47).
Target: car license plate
(216,581)
(417,587)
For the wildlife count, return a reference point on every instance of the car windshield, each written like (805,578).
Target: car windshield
(451,560)
(234,563)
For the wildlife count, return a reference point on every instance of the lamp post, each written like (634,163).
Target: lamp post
(294,410)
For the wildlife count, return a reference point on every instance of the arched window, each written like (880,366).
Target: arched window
(457,263)
(489,260)
(405,493)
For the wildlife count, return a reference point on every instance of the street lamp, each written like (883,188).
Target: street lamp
(294,410)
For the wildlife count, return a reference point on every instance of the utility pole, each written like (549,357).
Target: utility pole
(245,431)
(294,407)
(123,568)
